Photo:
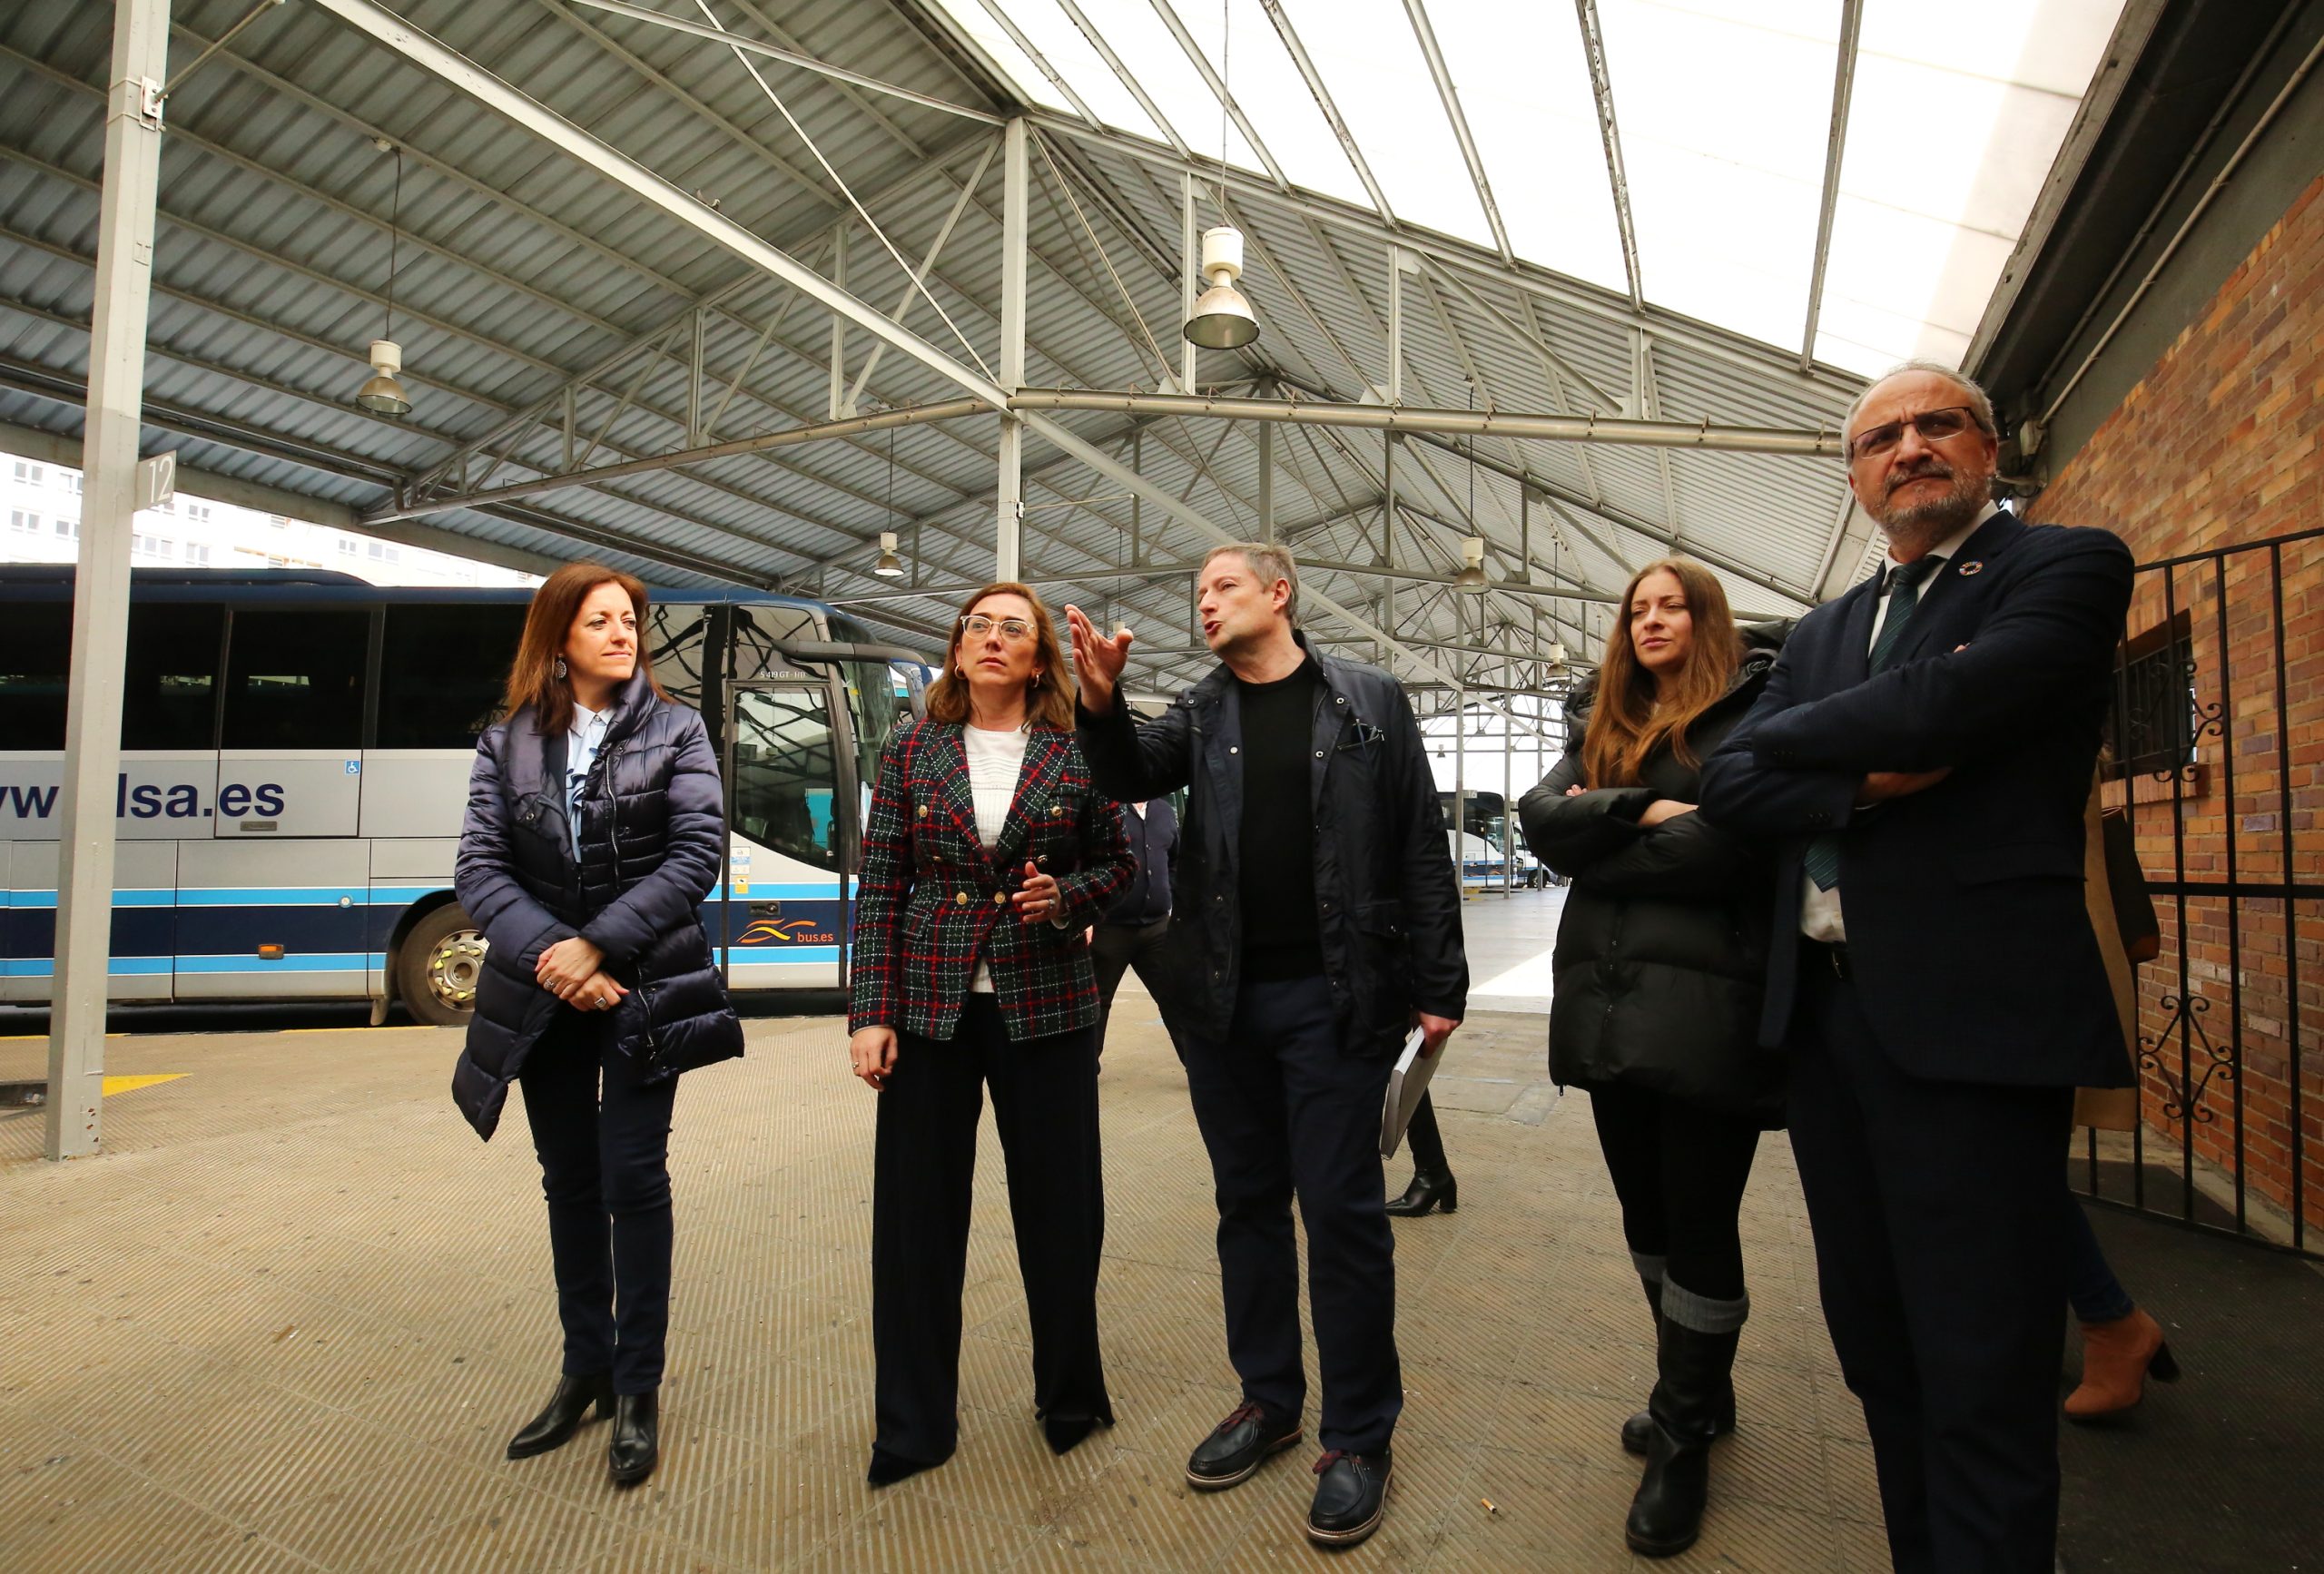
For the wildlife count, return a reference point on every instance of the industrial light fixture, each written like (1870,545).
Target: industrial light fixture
(1557,654)
(384,392)
(889,565)
(1222,318)
(1471,580)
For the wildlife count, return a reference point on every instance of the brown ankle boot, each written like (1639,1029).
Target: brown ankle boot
(2117,1358)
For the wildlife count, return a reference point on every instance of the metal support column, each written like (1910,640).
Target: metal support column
(839,327)
(1395,326)
(1016,177)
(1190,274)
(76,1036)
(1266,480)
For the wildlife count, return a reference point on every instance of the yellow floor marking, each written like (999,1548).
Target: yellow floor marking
(131,1084)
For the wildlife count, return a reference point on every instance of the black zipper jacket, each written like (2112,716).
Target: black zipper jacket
(1387,901)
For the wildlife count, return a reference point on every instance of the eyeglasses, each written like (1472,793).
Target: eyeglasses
(1015,630)
(1933,426)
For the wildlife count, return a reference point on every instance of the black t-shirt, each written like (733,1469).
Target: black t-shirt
(1277,885)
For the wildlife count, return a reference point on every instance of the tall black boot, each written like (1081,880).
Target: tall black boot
(1666,1514)
(1430,1189)
(1638,1432)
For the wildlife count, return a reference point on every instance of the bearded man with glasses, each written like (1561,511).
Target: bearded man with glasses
(1922,753)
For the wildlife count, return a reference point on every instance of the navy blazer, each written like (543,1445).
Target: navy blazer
(1968,937)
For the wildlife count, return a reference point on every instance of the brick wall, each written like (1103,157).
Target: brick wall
(2219,452)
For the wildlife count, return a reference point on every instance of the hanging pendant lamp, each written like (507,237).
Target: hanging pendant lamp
(384,393)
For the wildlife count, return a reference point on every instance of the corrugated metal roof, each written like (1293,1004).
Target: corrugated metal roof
(518,272)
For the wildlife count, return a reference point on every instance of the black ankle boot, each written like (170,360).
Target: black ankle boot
(1666,1514)
(1430,1189)
(568,1407)
(637,1447)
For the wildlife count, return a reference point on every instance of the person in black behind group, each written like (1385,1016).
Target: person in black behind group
(1923,751)
(593,833)
(1659,968)
(1317,920)
(1130,934)
(987,853)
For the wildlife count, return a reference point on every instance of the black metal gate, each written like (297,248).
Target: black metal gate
(2216,756)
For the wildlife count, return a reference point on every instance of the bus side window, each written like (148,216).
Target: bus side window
(294,679)
(442,671)
(169,699)
(35,654)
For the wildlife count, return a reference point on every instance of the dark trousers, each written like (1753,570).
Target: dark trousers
(1114,949)
(2096,1295)
(1427,1142)
(923,1167)
(602,1137)
(1284,1112)
(1941,1252)
(1680,1169)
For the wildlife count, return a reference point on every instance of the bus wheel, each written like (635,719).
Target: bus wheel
(438,968)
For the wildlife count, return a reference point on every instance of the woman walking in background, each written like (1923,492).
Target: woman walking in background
(593,833)
(987,855)
(1659,964)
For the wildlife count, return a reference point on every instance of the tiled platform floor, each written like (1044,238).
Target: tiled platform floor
(291,1318)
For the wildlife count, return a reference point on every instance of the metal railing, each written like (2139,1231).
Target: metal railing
(2218,723)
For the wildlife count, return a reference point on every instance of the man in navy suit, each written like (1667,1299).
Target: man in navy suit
(1922,754)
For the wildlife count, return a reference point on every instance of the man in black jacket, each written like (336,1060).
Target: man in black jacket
(1316,921)
(1922,751)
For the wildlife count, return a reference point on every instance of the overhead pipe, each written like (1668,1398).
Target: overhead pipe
(1582,428)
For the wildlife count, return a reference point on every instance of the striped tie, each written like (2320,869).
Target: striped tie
(1822,858)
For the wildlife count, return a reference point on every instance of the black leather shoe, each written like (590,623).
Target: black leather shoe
(1427,1191)
(637,1447)
(568,1407)
(1238,1445)
(1350,1498)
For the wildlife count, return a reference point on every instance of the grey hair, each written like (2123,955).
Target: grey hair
(1270,563)
(1981,405)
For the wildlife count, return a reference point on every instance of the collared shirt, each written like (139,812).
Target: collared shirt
(1819,911)
(587,736)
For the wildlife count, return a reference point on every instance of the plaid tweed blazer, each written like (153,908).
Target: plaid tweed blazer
(933,899)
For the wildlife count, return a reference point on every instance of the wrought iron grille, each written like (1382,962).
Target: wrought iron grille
(2218,736)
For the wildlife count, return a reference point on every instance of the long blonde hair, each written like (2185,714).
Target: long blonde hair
(1048,703)
(1628,721)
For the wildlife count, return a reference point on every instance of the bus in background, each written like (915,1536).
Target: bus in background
(295,755)
(1480,846)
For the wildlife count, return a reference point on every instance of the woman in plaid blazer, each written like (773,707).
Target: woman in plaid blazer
(987,855)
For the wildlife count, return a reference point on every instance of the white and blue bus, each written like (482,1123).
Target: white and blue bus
(295,757)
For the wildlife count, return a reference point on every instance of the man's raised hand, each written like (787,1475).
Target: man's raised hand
(1098,660)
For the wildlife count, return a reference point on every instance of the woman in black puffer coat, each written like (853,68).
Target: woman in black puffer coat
(1660,960)
(593,833)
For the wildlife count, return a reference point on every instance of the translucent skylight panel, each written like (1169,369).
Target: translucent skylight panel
(1725,171)
(1137,36)
(989,36)
(1948,145)
(1072,56)
(1524,86)
(1270,90)
(1367,57)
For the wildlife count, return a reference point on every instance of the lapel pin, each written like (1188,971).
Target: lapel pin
(923,812)
(1972,566)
